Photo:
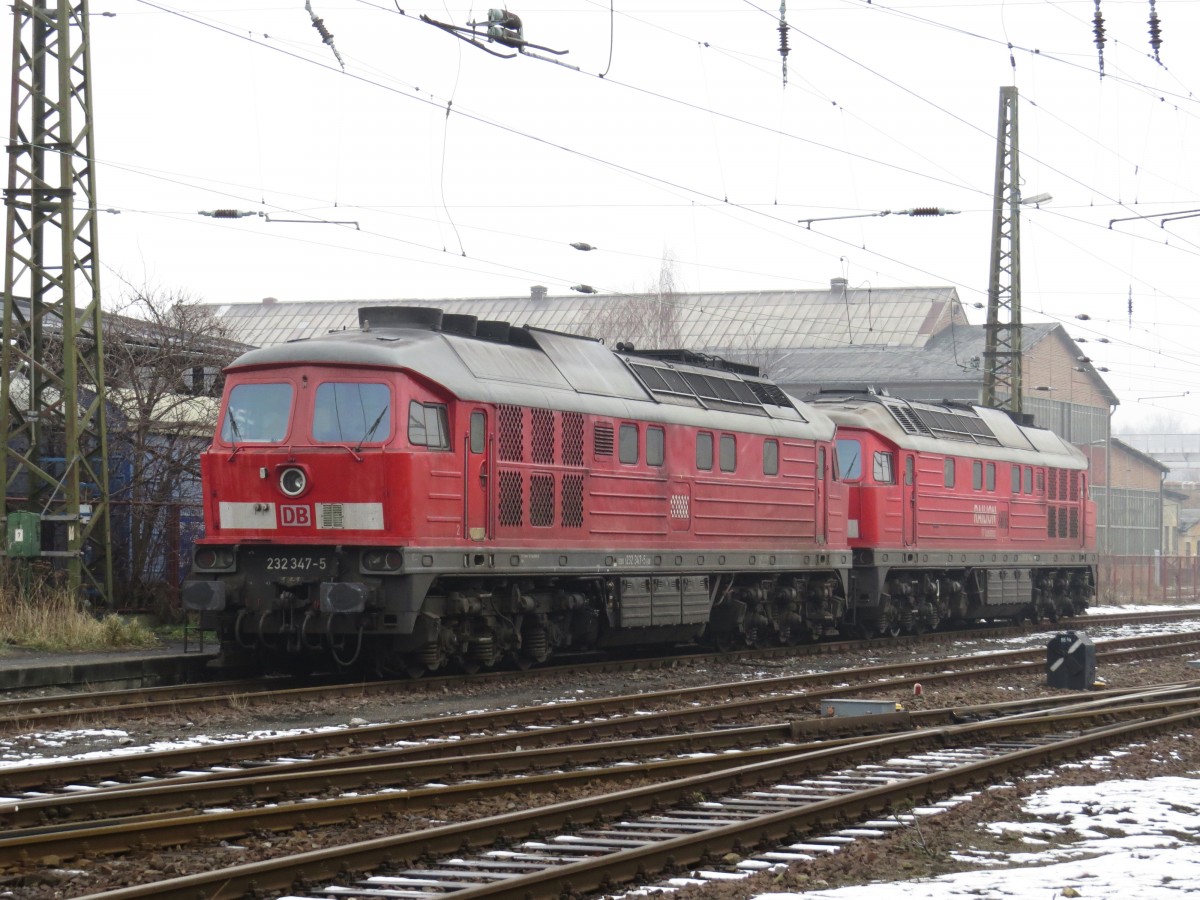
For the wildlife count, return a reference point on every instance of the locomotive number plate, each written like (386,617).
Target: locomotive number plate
(292,564)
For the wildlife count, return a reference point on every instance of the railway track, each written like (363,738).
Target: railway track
(784,801)
(79,708)
(714,705)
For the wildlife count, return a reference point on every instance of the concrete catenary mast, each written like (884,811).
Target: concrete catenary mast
(52,403)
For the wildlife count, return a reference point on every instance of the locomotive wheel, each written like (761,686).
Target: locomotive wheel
(413,666)
(723,643)
(521,660)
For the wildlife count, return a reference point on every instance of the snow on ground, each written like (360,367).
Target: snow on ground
(1136,840)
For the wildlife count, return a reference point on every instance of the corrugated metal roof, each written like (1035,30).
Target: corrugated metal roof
(954,355)
(756,321)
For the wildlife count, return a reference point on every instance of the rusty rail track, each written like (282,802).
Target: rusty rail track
(652,713)
(49,832)
(640,831)
(79,707)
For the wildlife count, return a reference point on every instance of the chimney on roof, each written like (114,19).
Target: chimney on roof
(537,292)
(270,301)
(837,288)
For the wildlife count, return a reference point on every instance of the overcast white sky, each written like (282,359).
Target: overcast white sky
(690,146)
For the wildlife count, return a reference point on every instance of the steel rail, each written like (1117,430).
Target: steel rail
(402,850)
(414,765)
(27,712)
(405,766)
(611,714)
(632,865)
(170,829)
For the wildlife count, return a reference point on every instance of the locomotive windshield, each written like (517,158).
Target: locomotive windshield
(257,414)
(849,459)
(352,413)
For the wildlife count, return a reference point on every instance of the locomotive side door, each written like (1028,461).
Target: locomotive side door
(477,489)
(822,498)
(909,499)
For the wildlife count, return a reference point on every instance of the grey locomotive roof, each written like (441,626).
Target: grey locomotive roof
(724,322)
(546,370)
(1013,442)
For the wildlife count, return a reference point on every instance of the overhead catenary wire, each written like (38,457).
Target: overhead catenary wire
(744,208)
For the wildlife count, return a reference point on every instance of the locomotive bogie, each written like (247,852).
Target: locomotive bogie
(438,608)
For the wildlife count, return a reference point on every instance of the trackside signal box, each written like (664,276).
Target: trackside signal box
(24,537)
(1071,662)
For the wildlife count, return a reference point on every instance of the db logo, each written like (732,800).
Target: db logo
(295,516)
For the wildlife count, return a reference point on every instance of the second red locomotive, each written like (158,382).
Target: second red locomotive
(432,490)
(958,512)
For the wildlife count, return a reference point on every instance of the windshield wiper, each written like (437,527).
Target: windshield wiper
(371,431)
(236,432)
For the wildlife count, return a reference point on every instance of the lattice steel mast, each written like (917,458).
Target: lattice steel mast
(1002,352)
(52,400)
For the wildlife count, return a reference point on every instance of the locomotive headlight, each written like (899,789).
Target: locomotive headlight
(293,481)
(213,559)
(381,560)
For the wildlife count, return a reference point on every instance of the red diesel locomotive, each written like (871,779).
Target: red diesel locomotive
(432,490)
(957,512)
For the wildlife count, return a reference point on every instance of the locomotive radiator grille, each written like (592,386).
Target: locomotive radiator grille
(572,501)
(541,500)
(512,486)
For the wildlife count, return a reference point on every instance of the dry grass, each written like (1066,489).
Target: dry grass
(40,616)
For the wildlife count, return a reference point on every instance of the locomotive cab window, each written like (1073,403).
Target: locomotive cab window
(728,453)
(257,414)
(883,468)
(478,430)
(427,425)
(771,457)
(352,413)
(627,443)
(704,451)
(655,446)
(849,459)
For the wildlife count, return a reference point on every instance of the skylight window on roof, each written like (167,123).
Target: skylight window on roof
(712,389)
(958,425)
